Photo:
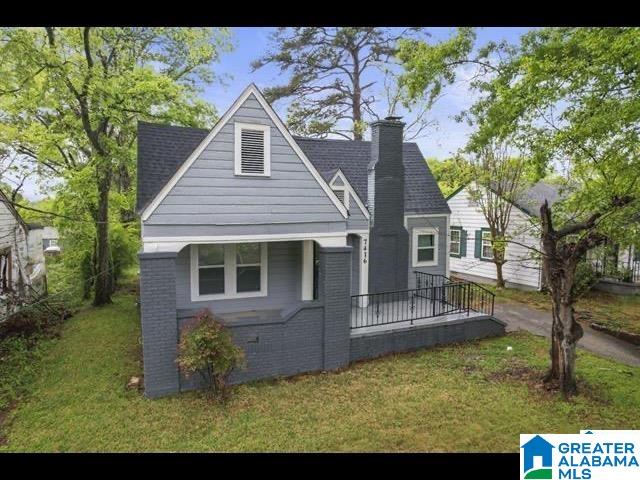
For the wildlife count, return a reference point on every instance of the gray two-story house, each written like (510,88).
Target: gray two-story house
(315,252)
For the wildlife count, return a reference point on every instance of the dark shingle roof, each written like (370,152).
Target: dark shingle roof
(163,148)
(422,194)
(531,199)
(161,151)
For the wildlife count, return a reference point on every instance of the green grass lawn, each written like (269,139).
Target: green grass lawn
(471,397)
(619,312)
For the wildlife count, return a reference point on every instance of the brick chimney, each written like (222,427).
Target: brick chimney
(389,245)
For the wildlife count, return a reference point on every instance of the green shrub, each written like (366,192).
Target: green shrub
(585,278)
(206,347)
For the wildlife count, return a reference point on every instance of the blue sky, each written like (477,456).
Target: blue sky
(440,142)
(252,42)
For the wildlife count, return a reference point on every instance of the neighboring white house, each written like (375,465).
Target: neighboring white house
(470,245)
(21,255)
(50,240)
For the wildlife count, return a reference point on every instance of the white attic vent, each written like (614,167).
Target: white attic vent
(339,194)
(252,149)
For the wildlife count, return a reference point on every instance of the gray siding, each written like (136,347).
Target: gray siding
(356,219)
(209,194)
(284,271)
(443,238)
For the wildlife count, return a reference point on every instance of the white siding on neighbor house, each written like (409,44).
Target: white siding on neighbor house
(12,236)
(520,268)
(209,195)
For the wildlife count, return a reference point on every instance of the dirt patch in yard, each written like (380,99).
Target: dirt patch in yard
(533,378)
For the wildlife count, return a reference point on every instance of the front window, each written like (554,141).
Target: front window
(234,270)
(425,247)
(454,247)
(487,248)
(248,267)
(211,269)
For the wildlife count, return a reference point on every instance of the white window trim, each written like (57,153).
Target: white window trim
(237,130)
(425,231)
(459,242)
(482,240)
(230,275)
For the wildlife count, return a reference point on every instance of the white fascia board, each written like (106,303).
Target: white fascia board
(251,89)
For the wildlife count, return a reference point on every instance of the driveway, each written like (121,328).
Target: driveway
(522,317)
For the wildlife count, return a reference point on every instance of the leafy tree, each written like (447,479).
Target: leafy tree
(332,85)
(570,97)
(70,99)
(450,173)
(499,179)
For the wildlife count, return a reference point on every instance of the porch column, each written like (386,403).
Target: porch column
(159,323)
(307,270)
(364,268)
(335,293)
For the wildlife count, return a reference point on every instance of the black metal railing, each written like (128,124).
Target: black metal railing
(480,299)
(635,272)
(434,296)
(430,279)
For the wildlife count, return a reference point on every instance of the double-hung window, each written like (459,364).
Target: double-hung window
(211,269)
(234,270)
(425,247)
(248,267)
(454,247)
(487,248)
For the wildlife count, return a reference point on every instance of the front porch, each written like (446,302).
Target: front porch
(436,297)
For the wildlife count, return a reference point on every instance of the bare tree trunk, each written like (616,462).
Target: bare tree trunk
(103,277)
(356,109)
(565,331)
(499,276)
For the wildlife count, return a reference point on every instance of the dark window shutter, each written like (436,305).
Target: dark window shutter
(463,243)
(478,244)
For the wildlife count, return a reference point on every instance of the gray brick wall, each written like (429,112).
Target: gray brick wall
(159,326)
(389,245)
(335,293)
(312,337)
(364,346)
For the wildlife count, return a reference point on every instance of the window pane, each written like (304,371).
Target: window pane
(425,254)
(210,255)
(248,279)
(211,280)
(487,252)
(455,235)
(455,247)
(486,236)
(425,241)
(247,253)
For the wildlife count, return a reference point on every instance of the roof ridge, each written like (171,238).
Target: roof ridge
(168,125)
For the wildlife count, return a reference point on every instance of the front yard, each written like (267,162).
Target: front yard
(471,397)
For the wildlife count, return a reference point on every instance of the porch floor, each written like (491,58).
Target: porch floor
(365,321)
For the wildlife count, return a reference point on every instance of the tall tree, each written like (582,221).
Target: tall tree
(333,70)
(450,173)
(70,99)
(499,179)
(570,97)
